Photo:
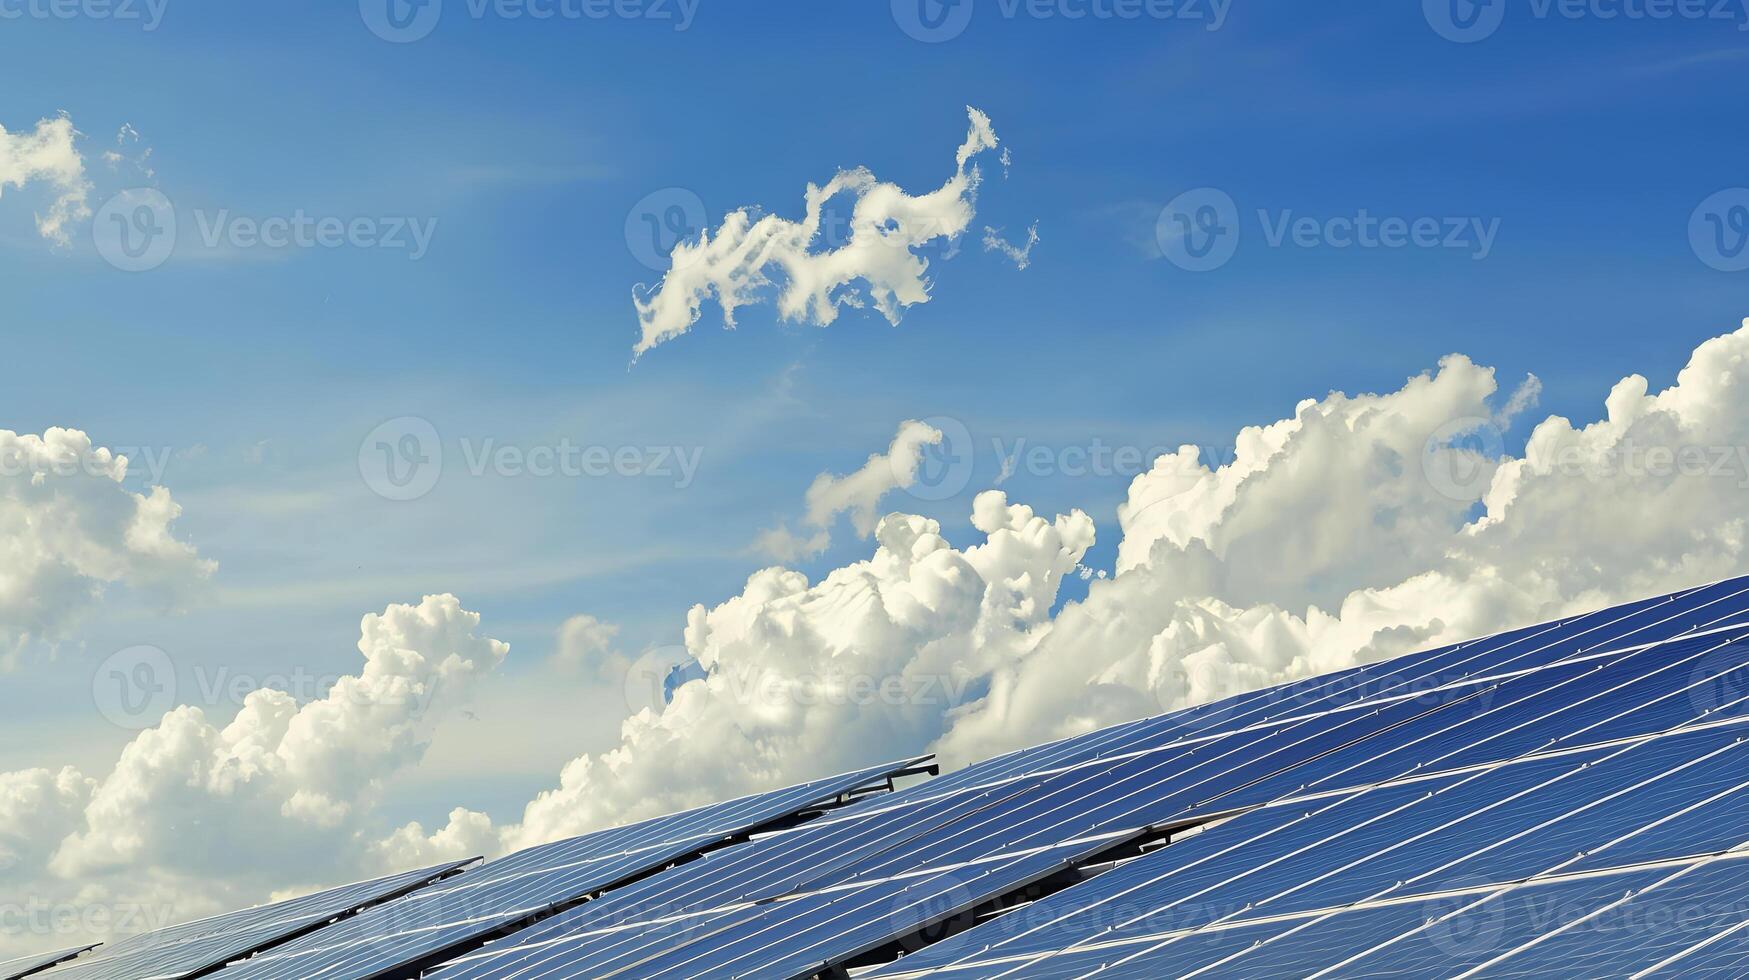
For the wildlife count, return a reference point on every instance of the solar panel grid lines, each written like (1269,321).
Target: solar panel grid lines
(1587,937)
(397,938)
(766,870)
(203,945)
(1704,958)
(1561,684)
(1645,884)
(823,894)
(1641,629)
(1734,741)
(25,966)
(1602,628)
(1406,884)
(1153,951)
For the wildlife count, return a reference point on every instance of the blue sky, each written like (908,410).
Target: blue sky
(1589,140)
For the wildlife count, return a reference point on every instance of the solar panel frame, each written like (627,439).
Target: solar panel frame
(201,945)
(437,923)
(1194,765)
(25,966)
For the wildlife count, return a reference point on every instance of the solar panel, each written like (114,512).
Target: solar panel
(1330,811)
(196,947)
(25,966)
(397,937)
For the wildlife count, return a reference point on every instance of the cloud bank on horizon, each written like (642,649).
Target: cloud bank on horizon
(748,256)
(1361,527)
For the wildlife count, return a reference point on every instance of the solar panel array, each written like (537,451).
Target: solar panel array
(1567,799)
(25,966)
(396,937)
(195,947)
(1474,775)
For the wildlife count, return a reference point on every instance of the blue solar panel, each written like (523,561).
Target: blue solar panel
(25,966)
(1693,905)
(466,909)
(925,855)
(195,947)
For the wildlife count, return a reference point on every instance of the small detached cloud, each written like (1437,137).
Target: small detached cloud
(1020,255)
(586,648)
(47,156)
(858,494)
(747,256)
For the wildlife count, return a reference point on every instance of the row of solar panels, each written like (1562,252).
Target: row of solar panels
(1487,807)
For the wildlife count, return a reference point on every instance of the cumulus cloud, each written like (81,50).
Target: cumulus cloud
(46,155)
(586,647)
(1360,527)
(69,529)
(813,273)
(195,814)
(815,677)
(858,494)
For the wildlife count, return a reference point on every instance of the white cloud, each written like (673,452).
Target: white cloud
(195,815)
(586,646)
(47,155)
(747,255)
(858,494)
(1351,531)
(69,528)
(1020,255)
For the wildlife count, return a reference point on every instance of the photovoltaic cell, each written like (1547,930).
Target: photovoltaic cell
(470,907)
(1365,746)
(193,947)
(1380,819)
